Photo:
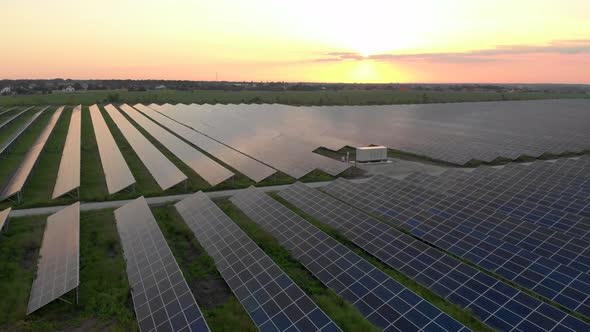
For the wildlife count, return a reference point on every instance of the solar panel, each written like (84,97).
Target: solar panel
(161,297)
(496,303)
(118,176)
(207,168)
(553,195)
(564,285)
(68,175)
(163,170)
(242,128)
(4,218)
(271,298)
(6,110)
(58,268)
(385,302)
(8,142)
(251,168)
(17,181)
(476,216)
(12,118)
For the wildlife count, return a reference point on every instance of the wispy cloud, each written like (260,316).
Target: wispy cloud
(565,47)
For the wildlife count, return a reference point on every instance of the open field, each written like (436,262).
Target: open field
(343,97)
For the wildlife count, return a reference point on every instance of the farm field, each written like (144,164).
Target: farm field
(344,97)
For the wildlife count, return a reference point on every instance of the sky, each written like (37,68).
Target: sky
(503,41)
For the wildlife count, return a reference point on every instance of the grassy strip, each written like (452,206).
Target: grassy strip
(462,315)
(325,97)
(146,185)
(342,312)
(21,240)
(93,185)
(10,161)
(104,297)
(220,307)
(39,188)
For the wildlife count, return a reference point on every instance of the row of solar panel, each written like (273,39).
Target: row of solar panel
(273,301)
(435,130)
(117,174)
(493,301)
(565,285)
(166,174)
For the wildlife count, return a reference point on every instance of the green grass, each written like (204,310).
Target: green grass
(39,188)
(21,241)
(342,312)
(104,295)
(223,314)
(93,185)
(462,315)
(327,97)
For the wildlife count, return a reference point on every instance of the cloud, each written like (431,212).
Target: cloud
(565,47)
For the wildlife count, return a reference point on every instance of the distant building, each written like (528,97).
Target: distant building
(69,89)
(160,87)
(6,91)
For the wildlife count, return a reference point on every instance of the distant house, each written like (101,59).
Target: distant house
(69,89)
(160,87)
(6,91)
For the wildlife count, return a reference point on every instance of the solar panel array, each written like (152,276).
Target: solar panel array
(14,117)
(251,168)
(163,170)
(17,181)
(549,194)
(161,297)
(15,135)
(271,298)
(564,285)
(385,302)
(208,169)
(117,174)
(484,130)
(4,218)
(6,110)
(68,175)
(496,303)
(472,214)
(243,127)
(58,270)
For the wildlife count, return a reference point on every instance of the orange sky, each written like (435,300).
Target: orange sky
(304,40)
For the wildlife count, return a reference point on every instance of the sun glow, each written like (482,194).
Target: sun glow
(286,40)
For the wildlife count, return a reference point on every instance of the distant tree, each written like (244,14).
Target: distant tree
(113,98)
(77,86)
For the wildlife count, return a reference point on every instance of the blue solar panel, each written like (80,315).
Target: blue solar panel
(161,297)
(271,298)
(474,214)
(385,302)
(491,300)
(554,195)
(564,285)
